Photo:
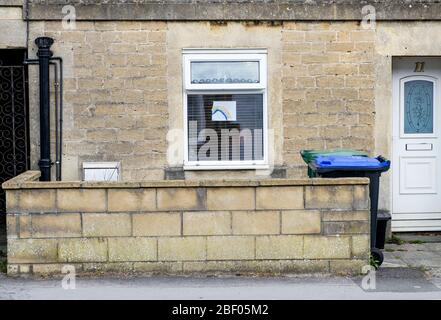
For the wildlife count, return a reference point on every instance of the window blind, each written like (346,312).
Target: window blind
(225,140)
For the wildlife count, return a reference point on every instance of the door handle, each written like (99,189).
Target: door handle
(419,146)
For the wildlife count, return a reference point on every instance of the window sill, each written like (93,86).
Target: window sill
(226,167)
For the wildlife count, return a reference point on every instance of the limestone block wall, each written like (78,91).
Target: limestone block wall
(328,88)
(271,226)
(123,89)
(115,95)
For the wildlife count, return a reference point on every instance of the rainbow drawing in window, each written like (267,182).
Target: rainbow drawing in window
(223,111)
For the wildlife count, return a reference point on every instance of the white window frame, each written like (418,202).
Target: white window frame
(219,55)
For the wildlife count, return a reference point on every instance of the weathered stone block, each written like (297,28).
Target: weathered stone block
(340,46)
(279,172)
(347,267)
(37,200)
(212,267)
(328,197)
(320,36)
(11,200)
(230,267)
(279,247)
(25,268)
(32,250)
(25,226)
(128,25)
(293,36)
(122,48)
(181,198)
(207,223)
(132,249)
(301,222)
(158,267)
(256,222)
(54,268)
(361,197)
(338,215)
(361,246)
(11,226)
(156,224)
(345,227)
(304,266)
(118,267)
(82,250)
(131,200)
(106,225)
(12,269)
(341,69)
(330,247)
(279,198)
(81,200)
(174,173)
(56,225)
(330,57)
(231,198)
(337,131)
(230,248)
(13,31)
(182,248)
(263,267)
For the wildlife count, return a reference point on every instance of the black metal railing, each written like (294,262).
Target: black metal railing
(14,136)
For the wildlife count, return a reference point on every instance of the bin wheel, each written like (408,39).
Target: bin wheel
(377,257)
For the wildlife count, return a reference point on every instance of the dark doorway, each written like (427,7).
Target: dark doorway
(14,131)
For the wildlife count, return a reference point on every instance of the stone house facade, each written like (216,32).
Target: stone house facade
(326,79)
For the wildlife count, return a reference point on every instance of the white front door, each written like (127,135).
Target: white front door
(416,159)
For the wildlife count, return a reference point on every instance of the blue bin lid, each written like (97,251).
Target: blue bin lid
(350,162)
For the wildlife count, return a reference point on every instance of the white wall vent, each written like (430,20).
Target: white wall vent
(101,171)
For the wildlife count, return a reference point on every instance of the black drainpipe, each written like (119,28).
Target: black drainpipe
(44,54)
(58,115)
(44,60)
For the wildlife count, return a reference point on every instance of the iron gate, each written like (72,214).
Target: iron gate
(14,136)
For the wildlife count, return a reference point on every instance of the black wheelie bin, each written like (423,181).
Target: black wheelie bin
(357,166)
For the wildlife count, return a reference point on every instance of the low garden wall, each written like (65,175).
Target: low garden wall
(264,227)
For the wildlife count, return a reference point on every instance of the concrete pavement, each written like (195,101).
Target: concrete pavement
(391,283)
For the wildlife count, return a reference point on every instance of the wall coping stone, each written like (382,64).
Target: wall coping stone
(224,10)
(11,3)
(27,180)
